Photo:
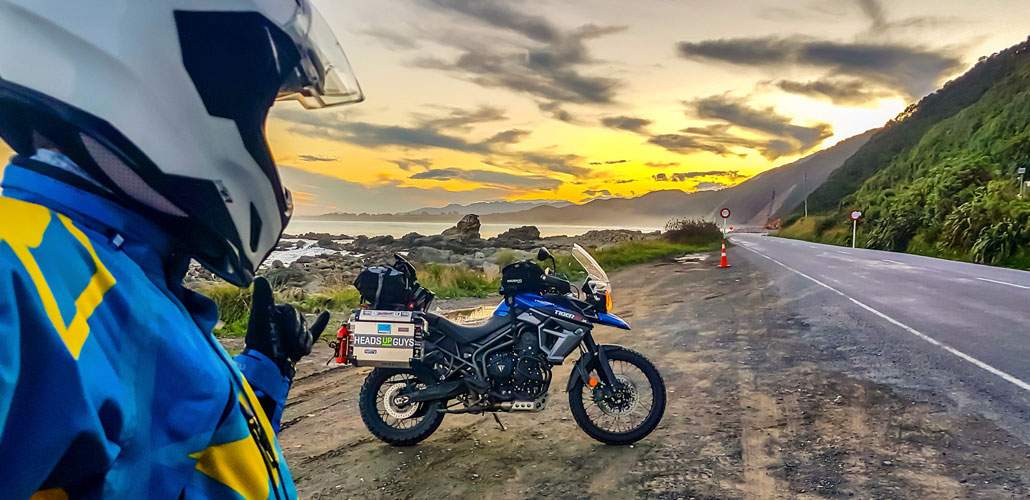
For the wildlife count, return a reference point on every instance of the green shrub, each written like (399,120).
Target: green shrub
(691,231)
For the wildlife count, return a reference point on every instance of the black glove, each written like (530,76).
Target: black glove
(278,330)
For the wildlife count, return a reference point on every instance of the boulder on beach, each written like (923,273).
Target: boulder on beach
(466,229)
(523,233)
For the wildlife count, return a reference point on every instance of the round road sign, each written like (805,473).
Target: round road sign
(856,215)
(725,213)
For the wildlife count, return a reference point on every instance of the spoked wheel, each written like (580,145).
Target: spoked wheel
(388,417)
(627,412)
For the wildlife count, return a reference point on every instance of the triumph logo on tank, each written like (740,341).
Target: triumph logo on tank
(383,341)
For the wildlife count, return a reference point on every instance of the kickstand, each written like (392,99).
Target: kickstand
(498,420)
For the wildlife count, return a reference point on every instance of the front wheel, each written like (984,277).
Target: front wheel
(627,412)
(387,419)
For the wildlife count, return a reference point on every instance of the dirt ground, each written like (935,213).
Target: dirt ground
(755,411)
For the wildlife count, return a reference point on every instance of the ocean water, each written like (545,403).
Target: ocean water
(398,229)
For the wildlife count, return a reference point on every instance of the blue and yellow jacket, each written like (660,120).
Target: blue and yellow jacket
(111,383)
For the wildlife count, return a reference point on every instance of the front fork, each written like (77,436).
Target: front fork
(595,357)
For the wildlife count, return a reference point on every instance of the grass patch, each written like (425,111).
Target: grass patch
(454,281)
(233,308)
(629,253)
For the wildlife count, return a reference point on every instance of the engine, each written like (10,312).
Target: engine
(521,373)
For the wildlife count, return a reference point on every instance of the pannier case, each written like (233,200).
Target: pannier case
(388,339)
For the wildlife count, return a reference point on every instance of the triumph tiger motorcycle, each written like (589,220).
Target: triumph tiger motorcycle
(427,366)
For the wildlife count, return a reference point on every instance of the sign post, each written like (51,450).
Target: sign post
(1022,179)
(855,215)
(725,214)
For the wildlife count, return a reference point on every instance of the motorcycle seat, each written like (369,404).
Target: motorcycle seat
(465,334)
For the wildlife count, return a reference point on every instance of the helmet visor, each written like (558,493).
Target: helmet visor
(323,76)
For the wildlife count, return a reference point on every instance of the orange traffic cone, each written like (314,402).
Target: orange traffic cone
(723,262)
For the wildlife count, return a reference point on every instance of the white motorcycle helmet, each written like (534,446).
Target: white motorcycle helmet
(163,103)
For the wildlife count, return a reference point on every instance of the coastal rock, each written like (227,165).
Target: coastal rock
(430,255)
(523,233)
(292,276)
(381,241)
(466,229)
(318,236)
(410,238)
(329,244)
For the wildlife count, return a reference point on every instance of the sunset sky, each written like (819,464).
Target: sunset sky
(546,99)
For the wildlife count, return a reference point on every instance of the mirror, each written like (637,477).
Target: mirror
(543,254)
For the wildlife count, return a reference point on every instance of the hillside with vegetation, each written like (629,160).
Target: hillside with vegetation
(941,178)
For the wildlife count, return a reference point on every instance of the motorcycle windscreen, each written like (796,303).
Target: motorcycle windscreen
(593,269)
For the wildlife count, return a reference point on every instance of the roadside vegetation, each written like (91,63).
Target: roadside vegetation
(941,180)
(449,281)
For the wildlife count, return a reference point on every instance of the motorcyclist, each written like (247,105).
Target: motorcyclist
(139,132)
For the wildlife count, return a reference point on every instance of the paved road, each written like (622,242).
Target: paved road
(974,319)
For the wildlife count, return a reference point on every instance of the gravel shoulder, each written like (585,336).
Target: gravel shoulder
(761,405)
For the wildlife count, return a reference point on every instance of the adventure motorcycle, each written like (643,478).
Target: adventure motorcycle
(428,366)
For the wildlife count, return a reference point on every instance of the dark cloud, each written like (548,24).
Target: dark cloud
(608,162)
(684,176)
(549,69)
(372,135)
(331,126)
(880,22)
(909,70)
(844,92)
(657,164)
(562,163)
(315,158)
(510,136)
(407,164)
(598,193)
(317,194)
(630,123)
(501,15)
(687,144)
(555,111)
(462,119)
(391,39)
(873,9)
(766,120)
(490,178)
(781,136)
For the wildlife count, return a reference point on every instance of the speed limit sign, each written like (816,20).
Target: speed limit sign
(856,215)
(725,213)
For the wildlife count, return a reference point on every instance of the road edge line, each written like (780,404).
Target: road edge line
(975,362)
(1024,287)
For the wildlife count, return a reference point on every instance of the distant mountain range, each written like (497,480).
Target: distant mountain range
(488,207)
(772,193)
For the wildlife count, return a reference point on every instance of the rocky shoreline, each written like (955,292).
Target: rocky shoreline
(318,261)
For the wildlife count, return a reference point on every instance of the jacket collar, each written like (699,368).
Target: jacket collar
(125,229)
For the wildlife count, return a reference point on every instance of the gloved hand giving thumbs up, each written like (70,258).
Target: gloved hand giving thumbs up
(279,330)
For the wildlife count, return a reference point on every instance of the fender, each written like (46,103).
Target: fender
(582,369)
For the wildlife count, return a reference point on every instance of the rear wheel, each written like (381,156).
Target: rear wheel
(630,410)
(395,423)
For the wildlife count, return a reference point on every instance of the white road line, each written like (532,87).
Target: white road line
(893,261)
(1005,283)
(976,362)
